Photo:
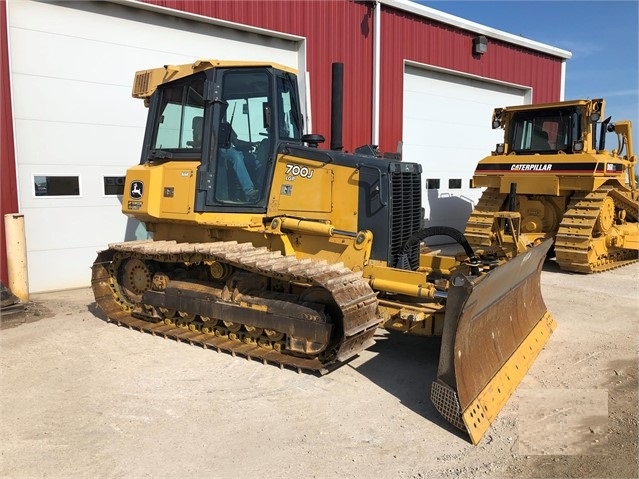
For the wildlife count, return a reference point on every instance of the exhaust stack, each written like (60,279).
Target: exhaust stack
(337,105)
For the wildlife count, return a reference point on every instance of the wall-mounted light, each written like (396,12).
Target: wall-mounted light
(480,45)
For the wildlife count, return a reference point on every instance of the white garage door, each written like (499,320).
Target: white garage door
(77,128)
(447,129)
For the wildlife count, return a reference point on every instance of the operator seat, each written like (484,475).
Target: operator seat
(540,141)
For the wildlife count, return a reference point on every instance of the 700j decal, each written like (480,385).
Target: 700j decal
(296,170)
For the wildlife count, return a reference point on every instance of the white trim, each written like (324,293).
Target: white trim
(308,123)
(459,22)
(377,41)
(562,91)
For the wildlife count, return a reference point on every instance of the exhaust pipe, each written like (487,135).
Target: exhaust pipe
(337,106)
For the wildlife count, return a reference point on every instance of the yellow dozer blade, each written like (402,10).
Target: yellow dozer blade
(493,331)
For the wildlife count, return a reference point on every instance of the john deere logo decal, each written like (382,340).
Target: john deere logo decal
(137,189)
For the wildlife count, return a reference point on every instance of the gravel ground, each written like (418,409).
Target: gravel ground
(83,398)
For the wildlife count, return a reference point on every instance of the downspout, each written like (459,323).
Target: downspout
(562,91)
(308,124)
(377,15)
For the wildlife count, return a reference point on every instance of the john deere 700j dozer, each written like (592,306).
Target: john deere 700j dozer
(266,246)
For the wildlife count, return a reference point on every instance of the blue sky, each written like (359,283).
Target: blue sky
(603,37)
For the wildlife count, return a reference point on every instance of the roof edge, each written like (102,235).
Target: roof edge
(427,12)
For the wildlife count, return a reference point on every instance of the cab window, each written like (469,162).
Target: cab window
(289,123)
(179,124)
(554,131)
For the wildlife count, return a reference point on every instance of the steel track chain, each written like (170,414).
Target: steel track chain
(574,238)
(479,227)
(352,294)
(623,202)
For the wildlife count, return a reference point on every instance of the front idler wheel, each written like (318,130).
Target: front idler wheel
(136,279)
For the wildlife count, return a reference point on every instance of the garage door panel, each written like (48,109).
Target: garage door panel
(94,61)
(78,144)
(71,102)
(86,60)
(452,110)
(63,269)
(453,85)
(460,163)
(440,132)
(72,231)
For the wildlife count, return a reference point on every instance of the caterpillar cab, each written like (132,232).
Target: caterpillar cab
(555,175)
(267,246)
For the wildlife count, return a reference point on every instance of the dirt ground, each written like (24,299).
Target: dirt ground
(82,398)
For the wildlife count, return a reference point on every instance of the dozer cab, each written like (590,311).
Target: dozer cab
(269,247)
(554,178)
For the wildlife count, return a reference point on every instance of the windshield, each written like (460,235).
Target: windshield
(545,131)
(246,118)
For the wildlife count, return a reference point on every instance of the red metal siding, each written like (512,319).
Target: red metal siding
(8,189)
(407,37)
(336,31)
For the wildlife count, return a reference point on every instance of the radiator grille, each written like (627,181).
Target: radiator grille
(406,213)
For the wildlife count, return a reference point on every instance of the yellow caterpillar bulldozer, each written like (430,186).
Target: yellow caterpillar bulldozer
(553,177)
(266,246)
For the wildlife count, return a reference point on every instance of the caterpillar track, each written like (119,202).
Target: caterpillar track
(581,240)
(480,223)
(247,301)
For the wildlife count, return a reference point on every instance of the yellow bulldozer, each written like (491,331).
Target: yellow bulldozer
(266,246)
(553,177)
